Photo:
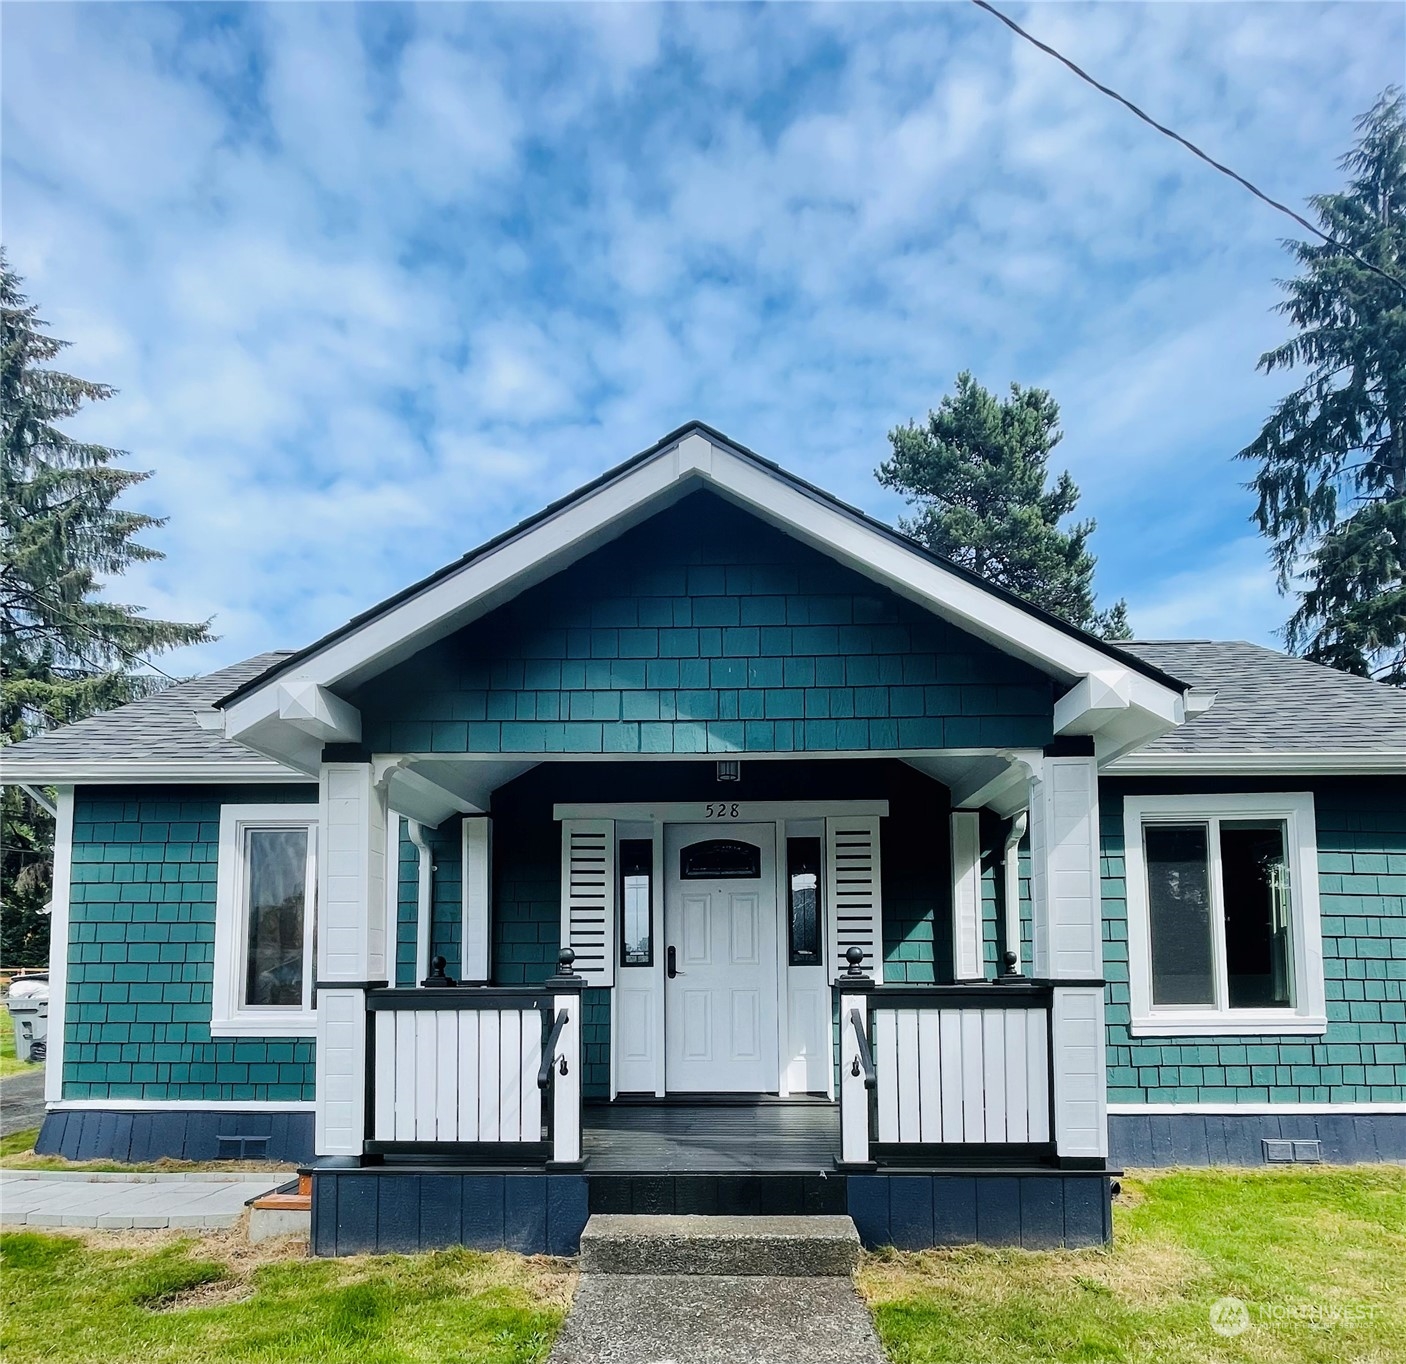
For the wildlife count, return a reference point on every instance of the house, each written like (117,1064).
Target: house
(701,844)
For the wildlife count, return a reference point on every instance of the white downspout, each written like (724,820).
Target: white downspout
(1010,864)
(424,899)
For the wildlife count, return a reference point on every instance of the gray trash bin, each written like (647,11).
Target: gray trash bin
(31,1017)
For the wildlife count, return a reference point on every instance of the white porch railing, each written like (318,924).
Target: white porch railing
(476,1071)
(946,1065)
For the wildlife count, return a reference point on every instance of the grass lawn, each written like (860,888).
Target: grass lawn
(1317,1256)
(10,1064)
(159,1298)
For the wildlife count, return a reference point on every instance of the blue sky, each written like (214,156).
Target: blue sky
(375,282)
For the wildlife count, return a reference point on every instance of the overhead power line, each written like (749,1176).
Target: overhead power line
(1190,146)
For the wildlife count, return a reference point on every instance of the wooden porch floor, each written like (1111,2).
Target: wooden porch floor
(710,1138)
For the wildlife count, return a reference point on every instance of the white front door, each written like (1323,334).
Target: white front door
(720,958)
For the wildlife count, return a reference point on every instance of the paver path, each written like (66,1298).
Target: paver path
(21,1098)
(116,1202)
(702,1319)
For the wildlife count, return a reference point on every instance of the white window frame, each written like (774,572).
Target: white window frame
(1308,1013)
(229,1017)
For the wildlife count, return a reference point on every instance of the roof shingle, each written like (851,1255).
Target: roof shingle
(161,727)
(1268,702)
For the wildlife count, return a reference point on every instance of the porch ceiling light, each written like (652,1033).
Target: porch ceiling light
(729,769)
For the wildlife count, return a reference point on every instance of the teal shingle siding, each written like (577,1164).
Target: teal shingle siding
(446,901)
(704,630)
(141,951)
(1362,888)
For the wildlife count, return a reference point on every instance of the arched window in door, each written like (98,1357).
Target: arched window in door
(720,859)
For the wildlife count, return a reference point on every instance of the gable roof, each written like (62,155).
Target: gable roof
(159,735)
(290,710)
(1273,712)
(288,663)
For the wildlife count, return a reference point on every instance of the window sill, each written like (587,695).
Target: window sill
(263,1025)
(1241,1023)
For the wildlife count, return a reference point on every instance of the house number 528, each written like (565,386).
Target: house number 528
(722,809)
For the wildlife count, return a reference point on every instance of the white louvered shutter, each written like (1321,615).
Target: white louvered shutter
(853,895)
(588,896)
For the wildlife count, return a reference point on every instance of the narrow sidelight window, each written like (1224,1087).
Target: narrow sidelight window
(803,882)
(1179,913)
(636,900)
(276,881)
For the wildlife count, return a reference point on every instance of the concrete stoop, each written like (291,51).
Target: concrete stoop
(786,1247)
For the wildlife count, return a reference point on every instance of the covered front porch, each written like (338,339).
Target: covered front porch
(705,786)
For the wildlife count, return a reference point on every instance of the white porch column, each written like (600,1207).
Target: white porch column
(967,963)
(1068,946)
(351,948)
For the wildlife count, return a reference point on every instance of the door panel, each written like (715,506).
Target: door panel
(720,1008)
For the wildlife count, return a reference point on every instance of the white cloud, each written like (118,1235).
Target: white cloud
(376,282)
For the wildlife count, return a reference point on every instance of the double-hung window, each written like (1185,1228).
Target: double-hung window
(1223,919)
(266,922)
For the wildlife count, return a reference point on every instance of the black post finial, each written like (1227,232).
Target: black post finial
(855,957)
(437,978)
(564,959)
(1011,972)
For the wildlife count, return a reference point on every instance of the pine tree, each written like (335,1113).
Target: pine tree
(976,473)
(1332,456)
(65,652)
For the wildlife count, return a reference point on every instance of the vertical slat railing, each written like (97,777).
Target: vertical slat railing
(961,1065)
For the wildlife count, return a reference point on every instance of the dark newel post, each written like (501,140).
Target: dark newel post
(1011,973)
(437,980)
(565,978)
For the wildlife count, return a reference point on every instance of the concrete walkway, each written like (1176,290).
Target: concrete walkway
(115,1202)
(706,1319)
(21,1098)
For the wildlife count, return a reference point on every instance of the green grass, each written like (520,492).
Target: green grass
(10,1064)
(70,1300)
(1317,1257)
(19,1143)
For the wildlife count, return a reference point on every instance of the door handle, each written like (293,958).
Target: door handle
(672,963)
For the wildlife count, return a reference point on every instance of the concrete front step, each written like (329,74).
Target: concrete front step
(794,1247)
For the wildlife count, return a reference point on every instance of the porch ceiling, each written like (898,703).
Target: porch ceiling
(430,788)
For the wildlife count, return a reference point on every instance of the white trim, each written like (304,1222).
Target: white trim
(967,947)
(1233,1023)
(128,771)
(1250,1109)
(392,888)
(720,811)
(599,515)
(1308,1015)
(195,1105)
(228,1017)
(62,891)
(424,897)
(476,898)
(1267,764)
